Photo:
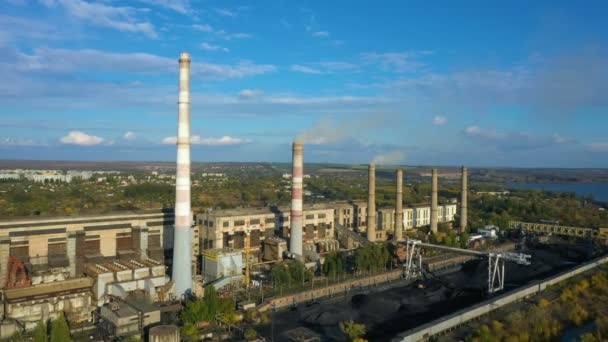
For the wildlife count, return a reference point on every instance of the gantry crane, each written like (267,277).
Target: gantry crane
(556,229)
(496,261)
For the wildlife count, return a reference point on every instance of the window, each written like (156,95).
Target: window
(310,217)
(254,221)
(269,220)
(226,224)
(210,223)
(321,216)
(239,223)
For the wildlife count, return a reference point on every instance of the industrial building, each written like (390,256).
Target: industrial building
(76,263)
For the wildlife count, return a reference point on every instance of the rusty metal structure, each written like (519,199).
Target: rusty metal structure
(556,229)
(17,274)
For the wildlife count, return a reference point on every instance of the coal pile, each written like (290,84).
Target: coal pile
(387,311)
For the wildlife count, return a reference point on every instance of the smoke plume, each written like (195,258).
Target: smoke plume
(390,158)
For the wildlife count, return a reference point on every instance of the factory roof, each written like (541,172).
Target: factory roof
(49,289)
(88,215)
(120,265)
(142,306)
(266,210)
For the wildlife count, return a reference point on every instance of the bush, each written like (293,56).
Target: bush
(250,334)
(352,329)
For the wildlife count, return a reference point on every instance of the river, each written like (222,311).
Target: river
(598,190)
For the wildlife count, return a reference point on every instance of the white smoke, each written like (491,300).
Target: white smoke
(390,158)
(329,131)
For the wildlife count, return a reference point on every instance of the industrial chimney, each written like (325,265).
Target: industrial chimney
(295,240)
(182,238)
(463,200)
(371,204)
(399,207)
(434,201)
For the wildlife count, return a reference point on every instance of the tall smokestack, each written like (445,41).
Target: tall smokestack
(463,200)
(371,204)
(434,201)
(295,240)
(182,239)
(399,207)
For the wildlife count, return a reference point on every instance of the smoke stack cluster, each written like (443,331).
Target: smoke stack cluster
(371,204)
(182,239)
(463,201)
(434,201)
(399,207)
(295,240)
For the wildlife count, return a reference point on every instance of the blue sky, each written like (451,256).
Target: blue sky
(514,84)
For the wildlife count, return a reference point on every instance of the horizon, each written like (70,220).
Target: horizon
(378,166)
(413,84)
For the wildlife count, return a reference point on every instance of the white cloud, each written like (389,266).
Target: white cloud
(65,60)
(338,66)
(489,134)
(304,69)
(180,6)
(513,140)
(21,28)
(247,94)
(220,33)
(320,34)
(599,147)
(129,136)
(225,12)
(81,138)
(169,141)
(209,47)
(396,61)
(203,28)
(390,158)
(19,142)
(99,14)
(440,120)
(198,140)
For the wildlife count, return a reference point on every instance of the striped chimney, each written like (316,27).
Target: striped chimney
(434,201)
(182,239)
(399,207)
(463,201)
(371,204)
(295,239)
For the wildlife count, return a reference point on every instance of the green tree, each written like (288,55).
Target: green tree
(297,272)
(60,331)
(250,334)
(333,265)
(190,332)
(41,333)
(352,330)
(280,275)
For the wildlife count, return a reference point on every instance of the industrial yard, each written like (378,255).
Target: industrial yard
(391,308)
(300,267)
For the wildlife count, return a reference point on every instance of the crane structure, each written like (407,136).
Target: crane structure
(556,229)
(496,261)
